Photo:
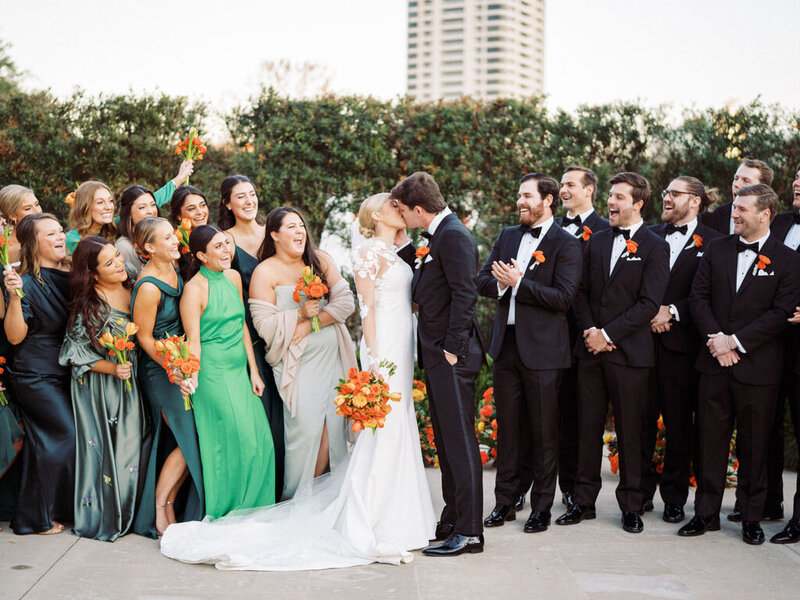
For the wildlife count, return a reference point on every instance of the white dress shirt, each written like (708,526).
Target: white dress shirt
(438,219)
(573,229)
(617,249)
(744,263)
(678,241)
(793,237)
(527,246)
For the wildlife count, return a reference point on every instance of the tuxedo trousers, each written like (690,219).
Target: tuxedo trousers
(599,381)
(775,449)
(526,402)
(794,406)
(673,395)
(451,398)
(723,402)
(568,430)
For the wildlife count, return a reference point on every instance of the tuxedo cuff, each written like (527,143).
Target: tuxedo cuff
(738,344)
(605,335)
(676,314)
(501,290)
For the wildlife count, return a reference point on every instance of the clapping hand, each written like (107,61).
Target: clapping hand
(505,274)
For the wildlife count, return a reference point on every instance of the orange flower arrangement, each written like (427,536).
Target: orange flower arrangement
(119,345)
(364,398)
(191,148)
(311,286)
(178,360)
(182,233)
(587,233)
(3,399)
(763,261)
(4,240)
(631,246)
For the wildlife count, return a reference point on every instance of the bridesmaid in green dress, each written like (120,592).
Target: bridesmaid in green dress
(135,203)
(173,490)
(112,434)
(235,440)
(238,216)
(188,203)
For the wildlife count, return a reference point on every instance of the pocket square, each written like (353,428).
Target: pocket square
(633,258)
(762,273)
(699,255)
(428,259)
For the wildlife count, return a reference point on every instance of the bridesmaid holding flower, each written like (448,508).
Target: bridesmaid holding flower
(135,203)
(112,434)
(188,206)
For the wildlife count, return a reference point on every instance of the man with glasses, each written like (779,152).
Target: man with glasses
(677,342)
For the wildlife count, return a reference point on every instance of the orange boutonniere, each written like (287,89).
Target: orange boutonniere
(587,233)
(697,242)
(421,253)
(538,257)
(763,261)
(631,246)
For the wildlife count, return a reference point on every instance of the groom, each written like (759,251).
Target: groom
(450,351)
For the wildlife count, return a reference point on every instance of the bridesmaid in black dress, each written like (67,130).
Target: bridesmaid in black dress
(238,216)
(36,326)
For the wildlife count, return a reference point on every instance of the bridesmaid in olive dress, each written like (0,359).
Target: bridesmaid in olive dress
(235,440)
(36,325)
(112,434)
(238,216)
(173,490)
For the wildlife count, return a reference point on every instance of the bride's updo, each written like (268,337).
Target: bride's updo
(368,208)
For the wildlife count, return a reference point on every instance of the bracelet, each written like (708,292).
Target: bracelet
(727,344)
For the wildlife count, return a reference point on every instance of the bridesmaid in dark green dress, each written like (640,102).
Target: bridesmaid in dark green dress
(173,489)
(235,440)
(238,216)
(35,325)
(187,203)
(112,434)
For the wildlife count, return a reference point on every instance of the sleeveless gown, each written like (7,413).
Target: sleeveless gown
(235,441)
(165,397)
(374,508)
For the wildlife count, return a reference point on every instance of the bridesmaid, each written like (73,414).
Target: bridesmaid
(92,213)
(238,216)
(173,490)
(188,203)
(112,434)
(235,440)
(36,325)
(135,204)
(16,202)
(306,365)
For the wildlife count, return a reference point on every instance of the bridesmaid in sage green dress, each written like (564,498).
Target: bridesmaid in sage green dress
(235,441)
(112,436)
(173,490)
(238,216)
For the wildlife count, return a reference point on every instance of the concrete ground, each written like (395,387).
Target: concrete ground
(595,559)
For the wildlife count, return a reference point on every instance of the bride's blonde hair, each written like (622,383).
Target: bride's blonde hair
(368,208)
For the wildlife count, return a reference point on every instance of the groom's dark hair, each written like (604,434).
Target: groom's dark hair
(420,189)
(546,186)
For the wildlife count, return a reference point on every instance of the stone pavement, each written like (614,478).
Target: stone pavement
(594,560)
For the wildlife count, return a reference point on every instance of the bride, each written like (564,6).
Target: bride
(375,507)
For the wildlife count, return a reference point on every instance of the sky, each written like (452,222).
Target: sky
(685,52)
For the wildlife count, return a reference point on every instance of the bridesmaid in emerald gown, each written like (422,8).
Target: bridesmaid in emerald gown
(35,326)
(173,490)
(235,441)
(238,216)
(112,434)
(188,203)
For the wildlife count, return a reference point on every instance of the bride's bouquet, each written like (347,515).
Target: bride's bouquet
(364,398)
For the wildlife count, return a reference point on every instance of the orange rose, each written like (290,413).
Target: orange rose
(631,246)
(316,290)
(119,344)
(422,252)
(487,410)
(487,395)
(352,372)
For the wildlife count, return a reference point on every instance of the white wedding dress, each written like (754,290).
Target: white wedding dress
(375,507)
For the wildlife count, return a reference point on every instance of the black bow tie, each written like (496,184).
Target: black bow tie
(796,217)
(534,231)
(673,228)
(567,221)
(626,233)
(742,247)
(426,235)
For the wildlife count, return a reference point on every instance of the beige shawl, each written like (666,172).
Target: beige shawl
(277,327)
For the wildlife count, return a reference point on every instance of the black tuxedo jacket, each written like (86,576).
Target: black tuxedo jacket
(756,314)
(624,302)
(545,293)
(594,222)
(444,287)
(683,336)
(781,225)
(719,219)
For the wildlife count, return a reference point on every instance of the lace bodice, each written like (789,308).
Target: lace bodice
(376,261)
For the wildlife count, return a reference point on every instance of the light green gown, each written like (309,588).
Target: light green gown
(235,440)
(112,436)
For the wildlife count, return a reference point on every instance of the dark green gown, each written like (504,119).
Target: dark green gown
(245,264)
(40,387)
(235,439)
(165,397)
(10,433)
(112,435)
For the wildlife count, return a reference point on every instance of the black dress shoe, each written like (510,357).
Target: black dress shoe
(698,526)
(519,503)
(736,515)
(538,521)
(567,499)
(647,506)
(632,522)
(575,514)
(456,544)
(789,535)
(773,513)
(673,513)
(500,514)
(752,533)
(443,531)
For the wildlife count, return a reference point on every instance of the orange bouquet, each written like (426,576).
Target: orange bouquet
(118,346)
(364,398)
(191,148)
(182,233)
(4,254)
(311,286)
(3,399)
(178,360)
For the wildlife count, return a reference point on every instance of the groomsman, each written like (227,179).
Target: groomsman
(625,271)
(677,342)
(746,287)
(533,270)
(750,172)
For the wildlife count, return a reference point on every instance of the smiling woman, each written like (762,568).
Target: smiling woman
(92,213)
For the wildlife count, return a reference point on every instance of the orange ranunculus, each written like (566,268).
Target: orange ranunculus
(119,344)
(111,351)
(614,462)
(487,395)
(316,290)
(129,345)
(364,377)
(2,360)
(698,241)
(693,481)
(296,296)
(631,246)
(348,388)
(538,256)
(587,233)
(184,250)
(131,328)
(487,410)
(484,457)
(422,252)
(420,385)
(763,261)
(429,437)
(352,372)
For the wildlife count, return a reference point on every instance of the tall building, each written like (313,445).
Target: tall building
(480,48)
